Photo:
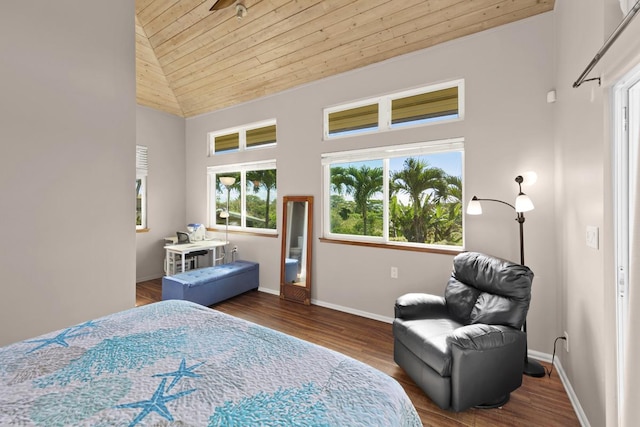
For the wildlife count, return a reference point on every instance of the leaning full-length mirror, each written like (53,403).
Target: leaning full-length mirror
(295,262)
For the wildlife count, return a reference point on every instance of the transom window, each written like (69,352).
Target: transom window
(402,195)
(261,134)
(250,202)
(431,104)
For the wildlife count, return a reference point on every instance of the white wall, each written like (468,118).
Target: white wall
(164,135)
(508,130)
(67,163)
(584,196)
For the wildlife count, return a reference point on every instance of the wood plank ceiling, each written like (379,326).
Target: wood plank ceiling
(191,61)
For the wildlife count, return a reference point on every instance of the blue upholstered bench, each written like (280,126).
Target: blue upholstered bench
(290,270)
(210,285)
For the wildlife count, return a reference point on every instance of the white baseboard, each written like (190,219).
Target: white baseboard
(337,307)
(146,278)
(268,291)
(353,311)
(538,355)
(573,398)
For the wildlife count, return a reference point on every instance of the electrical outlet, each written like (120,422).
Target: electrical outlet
(394,272)
(566,341)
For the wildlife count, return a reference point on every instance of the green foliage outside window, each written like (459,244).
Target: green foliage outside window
(425,202)
(260,195)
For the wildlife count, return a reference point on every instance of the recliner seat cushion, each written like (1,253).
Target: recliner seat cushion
(427,340)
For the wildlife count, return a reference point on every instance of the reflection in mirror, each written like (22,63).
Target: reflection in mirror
(295,269)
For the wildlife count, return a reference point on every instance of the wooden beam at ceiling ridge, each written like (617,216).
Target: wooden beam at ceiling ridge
(336,50)
(231,95)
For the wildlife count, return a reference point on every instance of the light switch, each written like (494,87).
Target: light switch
(592,236)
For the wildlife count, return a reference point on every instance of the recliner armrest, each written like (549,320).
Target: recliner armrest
(420,306)
(484,337)
(487,363)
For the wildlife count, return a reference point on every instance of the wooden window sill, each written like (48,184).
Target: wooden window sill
(392,246)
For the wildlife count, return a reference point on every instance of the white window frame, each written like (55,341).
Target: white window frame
(242,136)
(214,172)
(384,153)
(384,110)
(625,130)
(142,170)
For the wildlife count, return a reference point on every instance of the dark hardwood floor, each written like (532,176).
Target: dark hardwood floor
(538,402)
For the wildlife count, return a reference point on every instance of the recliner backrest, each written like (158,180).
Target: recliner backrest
(489,290)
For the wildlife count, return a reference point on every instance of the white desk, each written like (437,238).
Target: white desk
(171,251)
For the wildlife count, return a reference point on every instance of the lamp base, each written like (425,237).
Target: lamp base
(533,368)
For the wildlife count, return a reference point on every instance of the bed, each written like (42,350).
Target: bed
(179,363)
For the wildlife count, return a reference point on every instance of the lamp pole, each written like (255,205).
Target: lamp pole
(523,203)
(227,181)
(226,235)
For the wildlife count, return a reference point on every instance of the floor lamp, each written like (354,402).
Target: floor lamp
(227,181)
(523,204)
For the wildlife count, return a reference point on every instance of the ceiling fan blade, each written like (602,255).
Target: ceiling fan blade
(221,4)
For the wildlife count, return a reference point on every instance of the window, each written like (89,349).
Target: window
(403,195)
(423,107)
(354,119)
(435,103)
(250,201)
(261,134)
(141,187)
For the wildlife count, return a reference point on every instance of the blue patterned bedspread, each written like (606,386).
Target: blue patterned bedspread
(179,363)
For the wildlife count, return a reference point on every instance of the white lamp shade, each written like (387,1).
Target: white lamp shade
(227,180)
(523,203)
(474,207)
(224,214)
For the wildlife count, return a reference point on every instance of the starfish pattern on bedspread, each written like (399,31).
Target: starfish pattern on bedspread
(156,404)
(60,339)
(182,372)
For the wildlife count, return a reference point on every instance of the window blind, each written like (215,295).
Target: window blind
(227,142)
(261,136)
(365,117)
(142,161)
(425,106)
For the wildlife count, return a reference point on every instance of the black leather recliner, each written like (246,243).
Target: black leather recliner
(467,349)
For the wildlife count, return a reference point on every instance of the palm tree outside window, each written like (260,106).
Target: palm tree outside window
(413,199)
(252,197)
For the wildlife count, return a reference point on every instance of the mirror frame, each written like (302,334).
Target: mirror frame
(290,291)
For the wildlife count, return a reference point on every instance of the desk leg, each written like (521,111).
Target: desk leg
(183,254)
(169,267)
